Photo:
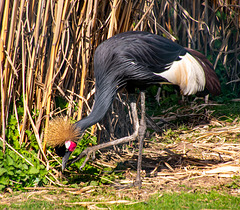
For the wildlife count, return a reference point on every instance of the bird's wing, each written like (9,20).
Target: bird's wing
(145,58)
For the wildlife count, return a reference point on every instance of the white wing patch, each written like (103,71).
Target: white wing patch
(187,73)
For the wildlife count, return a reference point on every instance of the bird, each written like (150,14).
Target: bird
(134,59)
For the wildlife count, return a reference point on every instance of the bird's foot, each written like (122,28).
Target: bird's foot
(87,152)
(137,183)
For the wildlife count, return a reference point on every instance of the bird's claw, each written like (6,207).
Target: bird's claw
(87,152)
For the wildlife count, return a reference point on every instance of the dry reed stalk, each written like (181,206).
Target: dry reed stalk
(194,17)
(28,83)
(175,15)
(2,108)
(86,45)
(147,11)
(55,44)
(113,21)
(22,127)
(10,75)
(82,84)
(40,68)
(122,23)
(3,75)
(1,10)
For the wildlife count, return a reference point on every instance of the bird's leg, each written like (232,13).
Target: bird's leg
(91,150)
(141,135)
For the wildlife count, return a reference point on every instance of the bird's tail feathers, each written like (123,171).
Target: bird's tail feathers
(187,73)
(193,73)
(212,81)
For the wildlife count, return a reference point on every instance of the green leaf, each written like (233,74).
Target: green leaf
(33,170)
(13,155)
(44,181)
(218,14)
(2,187)
(4,180)
(9,160)
(10,172)
(2,171)
(43,172)
(24,166)
(18,172)
(94,183)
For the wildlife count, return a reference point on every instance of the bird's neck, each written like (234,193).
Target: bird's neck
(103,100)
(95,116)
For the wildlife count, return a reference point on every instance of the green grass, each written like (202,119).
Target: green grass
(35,204)
(183,200)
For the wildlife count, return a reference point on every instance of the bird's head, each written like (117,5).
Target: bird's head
(63,136)
(65,151)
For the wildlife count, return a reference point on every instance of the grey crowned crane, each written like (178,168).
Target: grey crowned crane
(134,60)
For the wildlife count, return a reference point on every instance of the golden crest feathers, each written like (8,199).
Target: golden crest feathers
(59,131)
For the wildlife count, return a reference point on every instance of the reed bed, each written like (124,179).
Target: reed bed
(47,48)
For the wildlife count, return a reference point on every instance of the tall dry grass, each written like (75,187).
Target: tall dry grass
(47,48)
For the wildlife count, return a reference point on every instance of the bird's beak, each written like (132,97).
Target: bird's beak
(65,159)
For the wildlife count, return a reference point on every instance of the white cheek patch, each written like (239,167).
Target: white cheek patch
(67,144)
(187,73)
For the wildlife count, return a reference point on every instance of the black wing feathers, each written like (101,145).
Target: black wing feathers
(136,56)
